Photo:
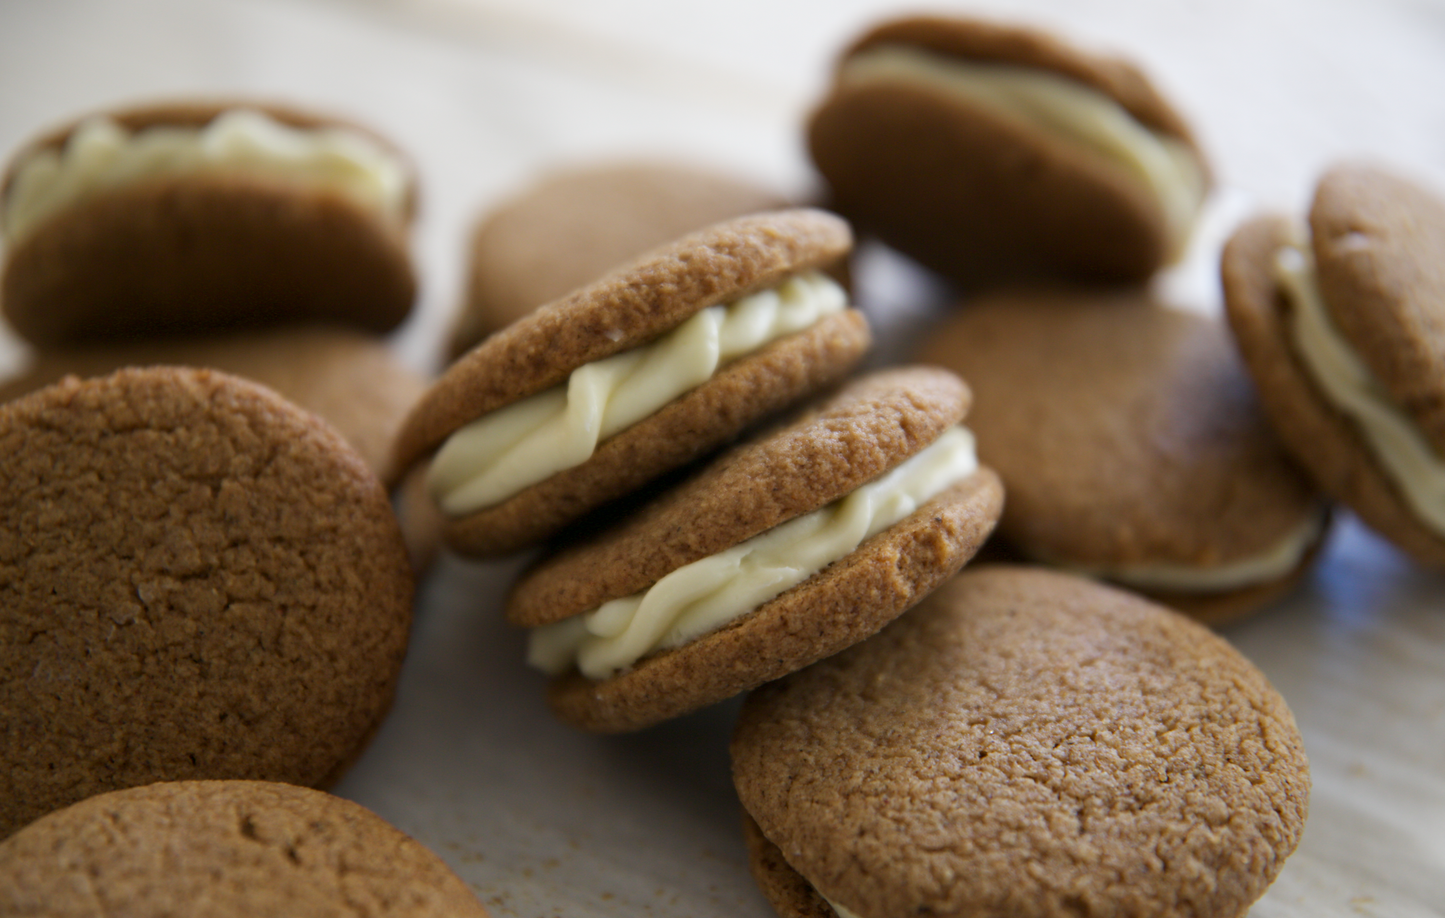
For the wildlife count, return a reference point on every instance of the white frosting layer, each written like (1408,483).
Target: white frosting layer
(101,155)
(498,455)
(1062,108)
(703,596)
(1404,454)
(1269,565)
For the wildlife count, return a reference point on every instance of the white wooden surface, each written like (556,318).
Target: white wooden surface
(544,821)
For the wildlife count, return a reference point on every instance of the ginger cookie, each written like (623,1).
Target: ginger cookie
(1024,743)
(780,552)
(592,396)
(1341,323)
(993,153)
(350,379)
(199,580)
(224,849)
(1133,447)
(196,216)
(571,227)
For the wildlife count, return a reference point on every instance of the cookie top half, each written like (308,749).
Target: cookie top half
(224,849)
(1132,444)
(593,395)
(188,216)
(1024,743)
(199,580)
(992,152)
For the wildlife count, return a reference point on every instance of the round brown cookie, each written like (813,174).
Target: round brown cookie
(1363,248)
(224,849)
(1129,436)
(209,250)
(572,227)
(867,429)
(627,308)
(983,197)
(352,380)
(199,580)
(1024,743)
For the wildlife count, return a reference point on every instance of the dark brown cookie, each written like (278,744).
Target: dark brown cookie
(871,428)
(983,193)
(224,849)
(631,307)
(1374,243)
(1024,743)
(1132,446)
(199,580)
(572,227)
(208,249)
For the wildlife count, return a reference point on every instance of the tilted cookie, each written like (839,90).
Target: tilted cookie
(199,580)
(991,152)
(776,554)
(1342,324)
(592,396)
(224,849)
(1133,447)
(1023,743)
(572,227)
(204,215)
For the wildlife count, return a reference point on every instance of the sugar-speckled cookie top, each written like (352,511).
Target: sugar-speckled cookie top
(1025,743)
(572,227)
(224,849)
(1128,434)
(198,579)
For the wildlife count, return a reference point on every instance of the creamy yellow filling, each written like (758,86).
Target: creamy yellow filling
(101,155)
(499,454)
(1405,456)
(703,596)
(1062,108)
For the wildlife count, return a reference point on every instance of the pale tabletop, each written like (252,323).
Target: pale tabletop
(544,821)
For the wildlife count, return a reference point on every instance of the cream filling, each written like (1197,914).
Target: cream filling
(1406,457)
(100,155)
(838,909)
(1061,108)
(1269,565)
(501,453)
(701,597)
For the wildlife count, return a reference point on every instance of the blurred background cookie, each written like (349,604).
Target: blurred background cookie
(991,152)
(203,215)
(224,849)
(571,227)
(199,580)
(1133,447)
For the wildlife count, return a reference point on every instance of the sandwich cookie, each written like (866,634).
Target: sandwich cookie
(993,153)
(1024,743)
(199,580)
(1342,324)
(1133,447)
(350,379)
(572,227)
(778,553)
(198,216)
(593,395)
(224,849)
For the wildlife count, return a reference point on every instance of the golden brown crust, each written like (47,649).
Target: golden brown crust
(874,424)
(848,601)
(628,307)
(224,849)
(790,894)
(200,580)
(740,394)
(1135,762)
(1378,241)
(574,226)
(1325,443)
